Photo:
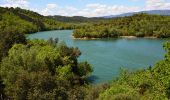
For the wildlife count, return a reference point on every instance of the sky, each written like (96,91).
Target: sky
(87,8)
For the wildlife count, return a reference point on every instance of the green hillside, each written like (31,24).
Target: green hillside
(140,25)
(16,22)
(26,21)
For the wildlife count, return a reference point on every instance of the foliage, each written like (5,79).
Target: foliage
(39,69)
(94,91)
(8,38)
(84,69)
(16,22)
(42,70)
(32,21)
(140,25)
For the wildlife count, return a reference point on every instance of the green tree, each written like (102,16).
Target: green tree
(39,70)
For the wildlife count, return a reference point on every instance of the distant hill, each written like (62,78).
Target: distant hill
(154,12)
(81,19)
(76,19)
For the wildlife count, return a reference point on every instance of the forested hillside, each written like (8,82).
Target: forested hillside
(16,22)
(29,21)
(140,25)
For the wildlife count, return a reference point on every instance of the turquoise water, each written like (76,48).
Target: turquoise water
(108,56)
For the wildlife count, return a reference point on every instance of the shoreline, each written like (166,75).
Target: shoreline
(125,37)
(128,37)
(84,38)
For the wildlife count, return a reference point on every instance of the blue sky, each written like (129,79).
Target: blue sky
(82,3)
(88,8)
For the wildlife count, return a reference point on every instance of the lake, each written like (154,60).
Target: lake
(108,56)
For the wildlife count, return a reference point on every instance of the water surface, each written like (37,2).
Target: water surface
(107,56)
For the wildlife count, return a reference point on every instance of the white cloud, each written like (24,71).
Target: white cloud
(51,6)
(102,10)
(53,9)
(16,3)
(157,4)
(90,10)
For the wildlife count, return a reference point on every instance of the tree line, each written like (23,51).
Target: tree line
(139,25)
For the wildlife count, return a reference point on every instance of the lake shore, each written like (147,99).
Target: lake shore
(134,37)
(84,38)
(126,37)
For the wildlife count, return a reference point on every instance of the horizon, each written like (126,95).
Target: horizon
(87,8)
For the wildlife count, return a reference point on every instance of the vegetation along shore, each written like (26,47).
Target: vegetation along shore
(51,70)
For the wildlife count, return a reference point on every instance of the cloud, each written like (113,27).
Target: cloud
(53,9)
(51,6)
(157,4)
(96,9)
(102,10)
(16,3)
(90,10)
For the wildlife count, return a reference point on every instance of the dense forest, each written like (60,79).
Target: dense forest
(139,25)
(43,70)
